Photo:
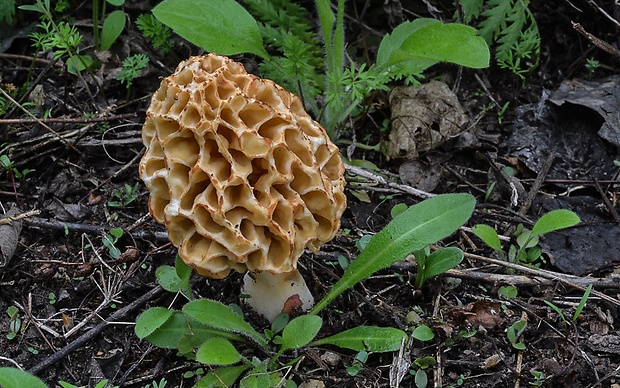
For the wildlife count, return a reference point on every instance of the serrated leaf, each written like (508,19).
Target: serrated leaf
(488,235)
(442,260)
(420,44)
(220,316)
(370,338)
(113,26)
(421,225)
(300,331)
(151,320)
(221,377)
(423,333)
(16,378)
(217,351)
(555,220)
(221,26)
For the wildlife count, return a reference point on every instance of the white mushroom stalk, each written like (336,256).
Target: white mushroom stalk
(240,174)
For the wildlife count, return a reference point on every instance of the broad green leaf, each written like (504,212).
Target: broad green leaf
(555,220)
(220,316)
(442,260)
(184,272)
(221,26)
(221,377)
(17,378)
(300,331)
(388,49)
(167,278)
(77,63)
(423,333)
(151,320)
(179,325)
(419,44)
(488,235)
(217,351)
(370,338)
(421,225)
(117,3)
(113,26)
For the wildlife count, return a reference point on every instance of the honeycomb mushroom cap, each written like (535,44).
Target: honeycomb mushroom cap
(239,173)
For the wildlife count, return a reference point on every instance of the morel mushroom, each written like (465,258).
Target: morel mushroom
(239,173)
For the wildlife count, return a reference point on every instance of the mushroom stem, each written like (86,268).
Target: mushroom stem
(271,294)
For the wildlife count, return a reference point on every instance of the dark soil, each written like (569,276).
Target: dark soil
(61,276)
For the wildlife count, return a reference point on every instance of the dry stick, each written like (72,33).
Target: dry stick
(545,274)
(16,217)
(5,94)
(596,41)
(92,333)
(381,180)
(540,179)
(70,120)
(610,207)
(89,228)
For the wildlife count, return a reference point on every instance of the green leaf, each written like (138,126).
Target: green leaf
(167,277)
(421,43)
(17,378)
(113,26)
(442,260)
(151,320)
(488,235)
(555,220)
(179,325)
(77,63)
(217,351)
(117,3)
(507,292)
(300,331)
(221,26)
(582,302)
(370,338)
(397,209)
(221,377)
(423,333)
(220,316)
(7,11)
(421,225)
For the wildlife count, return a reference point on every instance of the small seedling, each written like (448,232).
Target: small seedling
(131,69)
(162,383)
(33,350)
(578,310)
(539,378)
(436,263)
(15,323)
(526,249)
(358,363)
(514,332)
(592,65)
(124,196)
(51,297)
(110,240)
(159,34)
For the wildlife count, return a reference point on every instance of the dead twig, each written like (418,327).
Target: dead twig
(36,119)
(95,331)
(70,120)
(17,217)
(597,41)
(381,180)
